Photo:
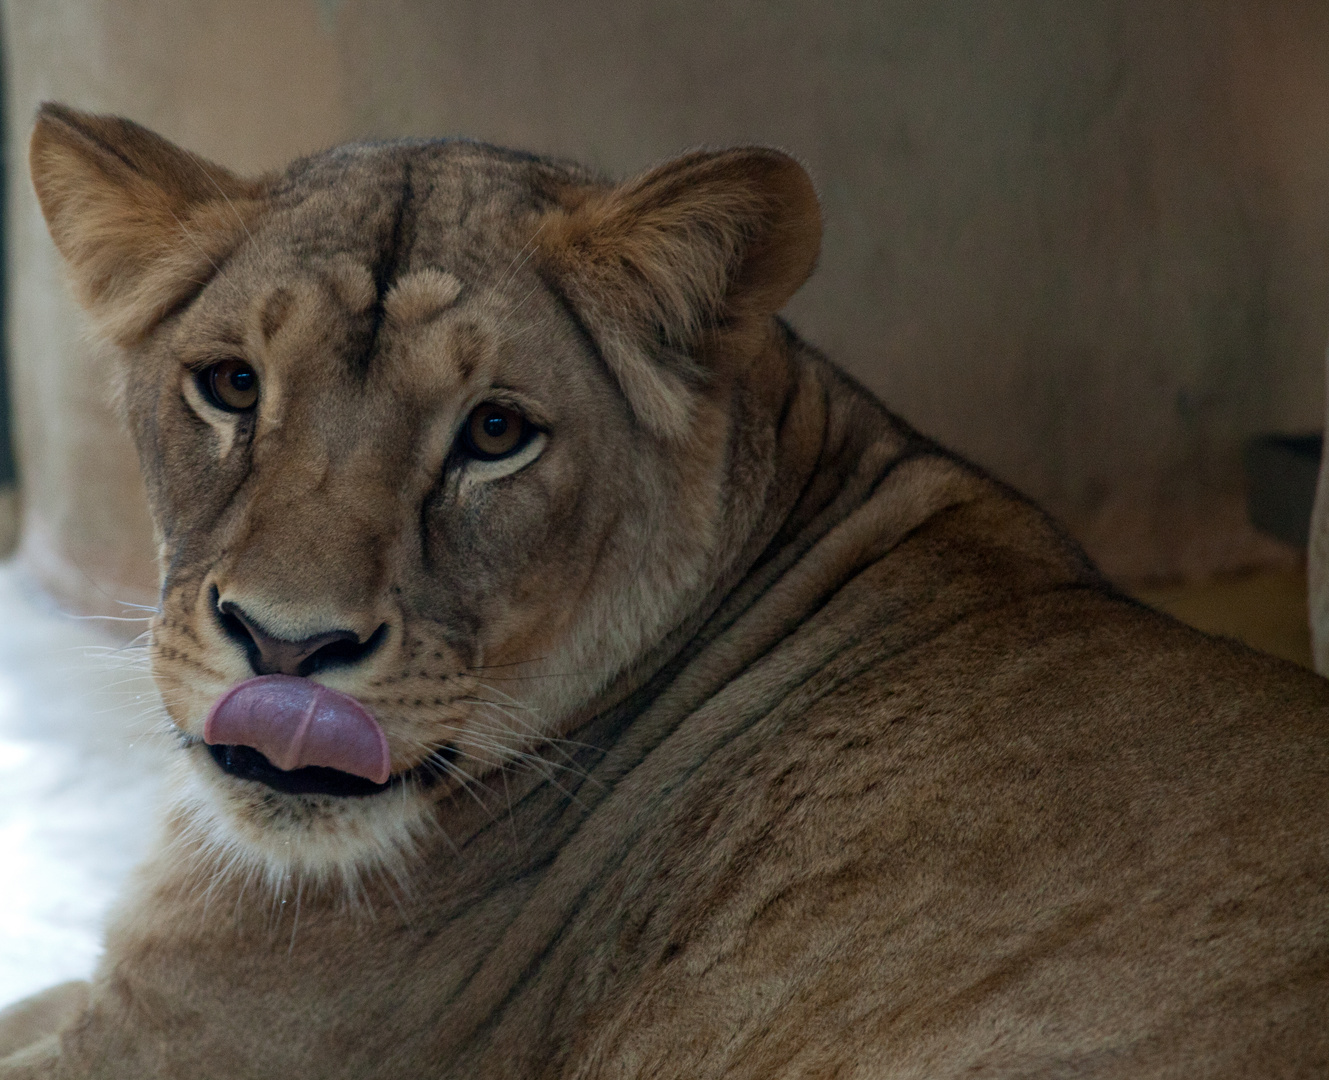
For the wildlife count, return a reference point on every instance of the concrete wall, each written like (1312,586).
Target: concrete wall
(250,83)
(1085,243)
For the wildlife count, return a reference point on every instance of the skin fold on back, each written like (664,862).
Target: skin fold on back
(736,729)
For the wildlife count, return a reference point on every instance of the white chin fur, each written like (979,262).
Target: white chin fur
(293,842)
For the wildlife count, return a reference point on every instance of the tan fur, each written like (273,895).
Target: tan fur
(772,740)
(421,296)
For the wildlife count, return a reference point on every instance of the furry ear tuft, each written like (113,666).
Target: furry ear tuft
(141,222)
(707,242)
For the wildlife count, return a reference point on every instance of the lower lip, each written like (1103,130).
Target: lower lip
(245,763)
(248,764)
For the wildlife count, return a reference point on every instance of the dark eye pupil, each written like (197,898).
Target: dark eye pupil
(495,426)
(242,380)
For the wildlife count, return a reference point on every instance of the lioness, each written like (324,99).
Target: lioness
(575,675)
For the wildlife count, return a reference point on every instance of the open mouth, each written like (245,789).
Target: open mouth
(246,763)
(302,738)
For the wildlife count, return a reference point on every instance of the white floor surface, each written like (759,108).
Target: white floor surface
(81,750)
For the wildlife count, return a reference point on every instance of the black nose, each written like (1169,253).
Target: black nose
(269,655)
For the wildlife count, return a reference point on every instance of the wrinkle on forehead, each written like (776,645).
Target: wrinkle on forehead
(420,296)
(444,358)
(273,312)
(352,283)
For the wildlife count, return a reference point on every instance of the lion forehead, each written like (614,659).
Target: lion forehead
(421,295)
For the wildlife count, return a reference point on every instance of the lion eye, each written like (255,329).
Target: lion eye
(231,385)
(494,431)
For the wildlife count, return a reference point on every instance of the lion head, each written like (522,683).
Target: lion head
(445,445)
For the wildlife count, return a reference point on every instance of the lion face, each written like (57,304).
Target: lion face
(486,585)
(435,433)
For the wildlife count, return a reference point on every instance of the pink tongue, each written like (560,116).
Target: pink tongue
(295,722)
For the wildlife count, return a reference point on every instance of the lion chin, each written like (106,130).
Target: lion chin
(292,843)
(669,707)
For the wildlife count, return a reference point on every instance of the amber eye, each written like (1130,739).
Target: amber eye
(494,431)
(231,385)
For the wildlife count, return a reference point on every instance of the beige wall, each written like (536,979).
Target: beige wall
(248,82)
(1084,243)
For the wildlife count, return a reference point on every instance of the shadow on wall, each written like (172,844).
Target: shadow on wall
(1282,472)
(1086,245)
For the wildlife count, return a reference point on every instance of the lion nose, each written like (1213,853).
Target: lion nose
(271,655)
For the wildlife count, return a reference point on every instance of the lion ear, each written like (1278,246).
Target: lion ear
(707,242)
(142,223)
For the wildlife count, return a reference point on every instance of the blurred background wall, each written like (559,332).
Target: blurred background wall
(1085,243)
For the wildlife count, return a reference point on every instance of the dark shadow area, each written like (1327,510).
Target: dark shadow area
(1281,474)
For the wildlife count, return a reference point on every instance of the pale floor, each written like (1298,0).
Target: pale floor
(1265,609)
(80,751)
(81,747)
